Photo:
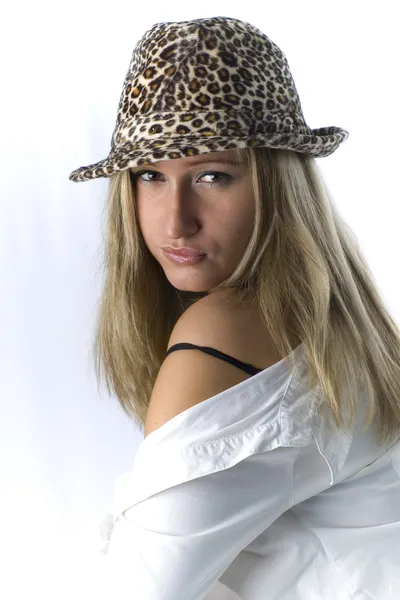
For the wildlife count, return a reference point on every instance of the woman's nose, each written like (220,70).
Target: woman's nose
(181,209)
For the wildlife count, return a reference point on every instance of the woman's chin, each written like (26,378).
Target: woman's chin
(189,287)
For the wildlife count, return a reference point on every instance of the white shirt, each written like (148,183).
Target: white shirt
(255,488)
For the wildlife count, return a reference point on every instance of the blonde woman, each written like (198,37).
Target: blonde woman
(241,328)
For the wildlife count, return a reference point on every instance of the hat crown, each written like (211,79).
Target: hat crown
(206,64)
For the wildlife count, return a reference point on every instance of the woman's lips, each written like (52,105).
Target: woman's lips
(184,251)
(183,259)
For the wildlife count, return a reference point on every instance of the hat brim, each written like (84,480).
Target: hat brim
(321,142)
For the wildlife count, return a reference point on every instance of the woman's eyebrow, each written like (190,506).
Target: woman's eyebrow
(221,161)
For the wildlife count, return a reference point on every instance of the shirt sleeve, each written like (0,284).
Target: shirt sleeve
(177,542)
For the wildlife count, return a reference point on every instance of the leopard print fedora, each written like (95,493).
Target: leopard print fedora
(207,85)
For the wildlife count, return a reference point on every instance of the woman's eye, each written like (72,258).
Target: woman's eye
(140,174)
(222,178)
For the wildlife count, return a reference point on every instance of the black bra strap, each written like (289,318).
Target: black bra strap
(233,361)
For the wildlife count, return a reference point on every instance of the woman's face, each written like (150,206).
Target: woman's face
(198,202)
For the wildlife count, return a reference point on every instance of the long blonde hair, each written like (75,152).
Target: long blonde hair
(304,266)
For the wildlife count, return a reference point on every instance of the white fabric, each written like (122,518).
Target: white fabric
(254,488)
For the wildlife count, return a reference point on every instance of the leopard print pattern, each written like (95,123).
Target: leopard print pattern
(207,85)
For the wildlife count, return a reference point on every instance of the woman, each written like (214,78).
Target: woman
(271,458)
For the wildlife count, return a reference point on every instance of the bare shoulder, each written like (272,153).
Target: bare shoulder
(229,327)
(188,377)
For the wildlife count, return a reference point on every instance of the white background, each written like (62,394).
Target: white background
(63,443)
